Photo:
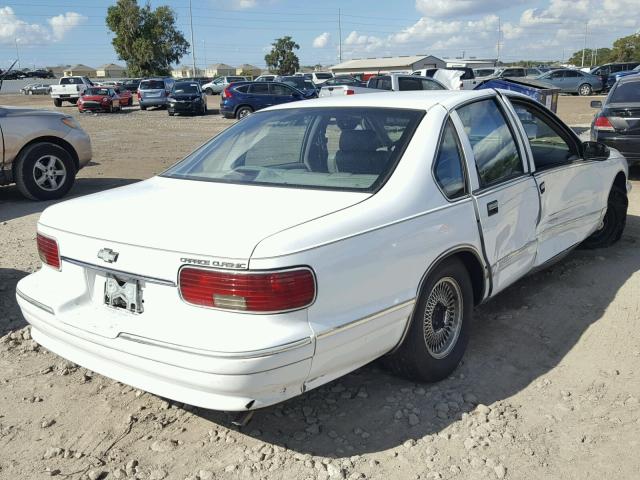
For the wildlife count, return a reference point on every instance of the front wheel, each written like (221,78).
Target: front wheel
(45,171)
(243,112)
(613,223)
(57,102)
(585,90)
(439,329)
(208,91)
(142,107)
(130,102)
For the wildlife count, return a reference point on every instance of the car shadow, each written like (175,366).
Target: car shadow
(11,318)
(14,205)
(517,338)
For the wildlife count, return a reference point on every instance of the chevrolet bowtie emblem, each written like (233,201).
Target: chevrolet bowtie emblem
(108,255)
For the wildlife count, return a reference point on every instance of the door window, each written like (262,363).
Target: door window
(280,90)
(548,144)
(494,148)
(557,75)
(259,89)
(571,74)
(448,165)
(384,83)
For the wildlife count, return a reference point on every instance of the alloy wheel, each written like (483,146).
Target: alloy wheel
(49,173)
(442,319)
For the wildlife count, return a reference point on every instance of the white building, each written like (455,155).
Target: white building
(80,70)
(220,70)
(388,64)
(471,62)
(110,70)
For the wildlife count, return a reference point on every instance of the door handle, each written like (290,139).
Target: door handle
(492,208)
(542,187)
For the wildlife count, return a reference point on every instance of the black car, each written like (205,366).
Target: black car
(344,80)
(617,124)
(305,86)
(603,71)
(131,84)
(187,97)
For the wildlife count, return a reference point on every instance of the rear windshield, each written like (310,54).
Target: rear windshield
(185,87)
(235,79)
(323,76)
(626,93)
(352,149)
(151,85)
(297,82)
(70,81)
(416,83)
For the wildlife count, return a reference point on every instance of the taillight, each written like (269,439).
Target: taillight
(139,95)
(351,92)
(226,93)
(602,123)
(263,292)
(48,251)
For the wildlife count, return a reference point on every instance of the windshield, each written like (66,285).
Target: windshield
(329,148)
(151,85)
(626,93)
(96,91)
(297,82)
(184,87)
(235,79)
(323,76)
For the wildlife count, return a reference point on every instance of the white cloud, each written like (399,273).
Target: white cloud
(14,29)
(321,40)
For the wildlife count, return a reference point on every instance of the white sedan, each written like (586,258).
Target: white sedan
(307,240)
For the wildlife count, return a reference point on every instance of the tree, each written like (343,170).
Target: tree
(595,57)
(282,60)
(144,38)
(626,49)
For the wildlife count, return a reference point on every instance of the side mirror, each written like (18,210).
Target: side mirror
(595,151)
(596,104)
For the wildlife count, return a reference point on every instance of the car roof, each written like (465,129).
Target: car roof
(629,79)
(415,100)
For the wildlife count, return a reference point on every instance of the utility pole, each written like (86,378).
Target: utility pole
(499,40)
(15,40)
(340,35)
(584,49)
(595,56)
(193,45)
(204,55)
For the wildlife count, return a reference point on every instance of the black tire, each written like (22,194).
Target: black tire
(130,102)
(585,90)
(613,223)
(243,111)
(57,102)
(142,107)
(208,91)
(414,359)
(170,114)
(25,172)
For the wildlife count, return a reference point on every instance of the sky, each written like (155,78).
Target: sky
(53,32)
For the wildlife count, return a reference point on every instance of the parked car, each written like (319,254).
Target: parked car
(468,77)
(305,86)
(131,84)
(617,124)
(318,78)
(354,228)
(36,89)
(347,80)
(603,71)
(614,77)
(69,89)
(341,90)
(398,83)
(532,72)
(569,80)
(187,97)
(216,86)
(126,97)
(99,99)
(42,151)
(485,72)
(241,99)
(512,72)
(41,73)
(266,78)
(153,92)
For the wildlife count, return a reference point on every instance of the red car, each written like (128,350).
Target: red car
(126,97)
(99,99)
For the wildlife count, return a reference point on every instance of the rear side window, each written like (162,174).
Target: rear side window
(384,83)
(243,89)
(448,169)
(494,148)
(280,90)
(70,81)
(259,88)
(626,93)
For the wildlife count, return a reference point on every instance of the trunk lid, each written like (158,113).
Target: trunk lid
(625,118)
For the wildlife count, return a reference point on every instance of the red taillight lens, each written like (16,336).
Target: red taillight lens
(227,93)
(252,292)
(48,251)
(351,92)
(603,123)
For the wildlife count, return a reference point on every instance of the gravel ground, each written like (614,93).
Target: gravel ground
(549,388)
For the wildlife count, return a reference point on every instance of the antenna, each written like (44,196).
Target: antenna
(340,35)
(193,45)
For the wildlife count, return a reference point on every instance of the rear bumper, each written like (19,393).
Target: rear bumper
(232,382)
(627,145)
(153,102)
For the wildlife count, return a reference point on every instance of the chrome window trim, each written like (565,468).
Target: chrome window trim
(113,271)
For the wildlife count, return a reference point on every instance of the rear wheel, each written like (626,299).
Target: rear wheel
(243,112)
(57,102)
(613,223)
(439,330)
(45,171)
(142,107)
(208,91)
(585,89)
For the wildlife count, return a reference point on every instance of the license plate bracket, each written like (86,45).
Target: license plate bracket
(123,294)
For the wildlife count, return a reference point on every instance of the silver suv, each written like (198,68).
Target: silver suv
(42,151)
(153,92)
(216,86)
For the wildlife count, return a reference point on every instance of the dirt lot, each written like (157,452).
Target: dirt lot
(549,388)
